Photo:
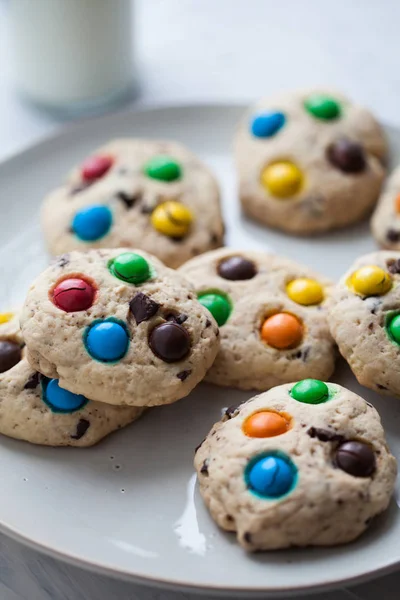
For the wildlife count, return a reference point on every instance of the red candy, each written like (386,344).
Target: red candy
(95,167)
(73,294)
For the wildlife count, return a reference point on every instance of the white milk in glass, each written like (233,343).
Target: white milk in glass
(72,54)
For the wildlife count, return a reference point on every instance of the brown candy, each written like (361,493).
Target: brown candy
(10,355)
(237,268)
(347,156)
(356,458)
(170,342)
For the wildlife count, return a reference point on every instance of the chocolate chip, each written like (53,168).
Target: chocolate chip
(63,260)
(237,268)
(231,411)
(247,537)
(81,429)
(170,342)
(369,404)
(381,387)
(208,323)
(180,318)
(199,446)
(371,326)
(324,435)
(10,355)
(204,467)
(393,266)
(214,238)
(184,375)
(392,235)
(128,199)
(33,381)
(146,210)
(346,155)
(143,307)
(229,518)
(355,458)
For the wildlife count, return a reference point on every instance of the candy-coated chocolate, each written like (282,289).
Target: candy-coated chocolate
(131,267)
(163,168)
(237,268)
(95,167)
(394,329)
(271,475)
(92,223)
(170,342)
(322,107)
(346,155)
(305,291)
(218,305)
(310,391)
(356,458)
(172,219)
(60,400)
(6,317)
(266,423)
(10,355)
(267,124)
(73,294)
(282,179)
(370,281)
(397,203)
(106,340)
(282,331)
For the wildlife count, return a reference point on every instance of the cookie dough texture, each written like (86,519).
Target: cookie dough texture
(358,325)
(196,189)
(329,198)
(327,506)
(385,223)
(55,343)
(245,361)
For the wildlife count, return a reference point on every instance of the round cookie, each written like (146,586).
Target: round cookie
(363,320)
(385,222)
(153,195)
(272,314)
(143,341)
(302,464)
(35,409)
(309,161)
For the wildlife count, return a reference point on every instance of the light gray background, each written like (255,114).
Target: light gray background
(217,50)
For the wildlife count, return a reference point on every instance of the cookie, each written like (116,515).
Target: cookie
(119,327)
(11,342)
(309,161)
(364,320)
(304,464)
(272,315)
(385,222)
(35,409)
(153,195)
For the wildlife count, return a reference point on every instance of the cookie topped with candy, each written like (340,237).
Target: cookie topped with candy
(119,327)
(365,320)
(34,408)
(272,314)
(309,161)
(153,195)
(304,464)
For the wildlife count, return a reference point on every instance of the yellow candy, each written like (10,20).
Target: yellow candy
(5,317)
(370,281)
(305,291)
(172,219)
(282,179)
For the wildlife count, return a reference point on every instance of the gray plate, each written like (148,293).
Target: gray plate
(130,506)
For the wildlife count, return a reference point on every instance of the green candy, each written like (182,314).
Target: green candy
(310,391)
(218,305)
(163,168)
(130,267)
(322,107)
(394,329)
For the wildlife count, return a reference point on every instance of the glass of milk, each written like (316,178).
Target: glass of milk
(73,55)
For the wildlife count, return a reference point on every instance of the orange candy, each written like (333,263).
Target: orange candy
(266,423)
(397,203)
(282,331)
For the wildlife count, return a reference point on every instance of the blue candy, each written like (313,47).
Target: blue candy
(60,400)
(272,475)
(106,340)
(92,223)
(267,124)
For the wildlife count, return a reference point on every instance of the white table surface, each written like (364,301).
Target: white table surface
(217,50)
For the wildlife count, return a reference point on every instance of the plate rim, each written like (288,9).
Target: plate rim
(40,145)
